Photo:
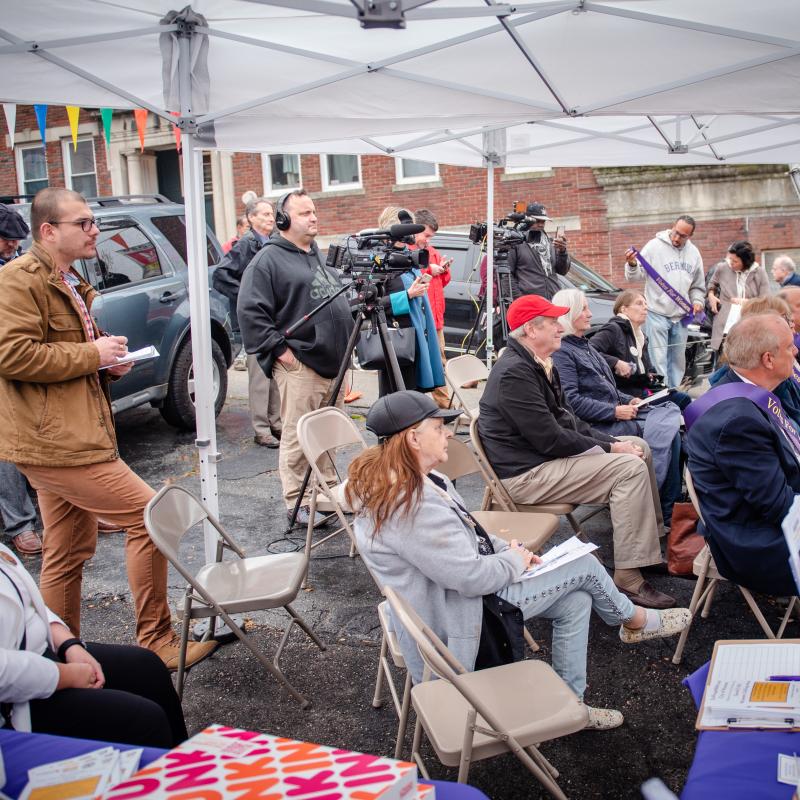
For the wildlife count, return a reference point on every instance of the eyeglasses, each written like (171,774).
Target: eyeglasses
(86,224)
(681,235)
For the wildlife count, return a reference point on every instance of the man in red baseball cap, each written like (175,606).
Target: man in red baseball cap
(532,436)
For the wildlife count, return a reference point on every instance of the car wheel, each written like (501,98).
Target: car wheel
(178,408)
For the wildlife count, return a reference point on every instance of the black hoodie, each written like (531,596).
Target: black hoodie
(280,285)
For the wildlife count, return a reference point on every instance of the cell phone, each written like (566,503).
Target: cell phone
(559,231)
(426,277)
(446,264)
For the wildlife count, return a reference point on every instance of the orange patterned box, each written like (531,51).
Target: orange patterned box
(221,763)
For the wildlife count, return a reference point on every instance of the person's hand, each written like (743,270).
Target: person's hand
(528,557)
(436,269)
(628,448)
(287,358)
(77,655)
(623,368)
(111,348)
(634,401)
(560,243)
(737,301)
(697,306)
(630,257)
(118,370)
(625,412)
(713,303)
(417,289)
(76,676)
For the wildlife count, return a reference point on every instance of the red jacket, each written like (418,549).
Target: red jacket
(436,287)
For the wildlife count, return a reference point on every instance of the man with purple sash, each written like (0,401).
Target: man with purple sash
(744,457)
(675,288)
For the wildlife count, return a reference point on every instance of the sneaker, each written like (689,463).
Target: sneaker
(304,515)
(195,651)
(670,622)
(266,440)
(240,362)
(603,719)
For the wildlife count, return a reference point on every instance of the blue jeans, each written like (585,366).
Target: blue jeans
(667,347)
(16,507)
(567,596)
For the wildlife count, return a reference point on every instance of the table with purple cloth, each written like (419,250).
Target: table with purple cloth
(21,751)
(736,765)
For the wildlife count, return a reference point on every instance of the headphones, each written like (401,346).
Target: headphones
(282,220)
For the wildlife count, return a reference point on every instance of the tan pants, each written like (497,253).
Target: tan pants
(264,400)
(625,482)
(302,390)
(70,500)
(440,394)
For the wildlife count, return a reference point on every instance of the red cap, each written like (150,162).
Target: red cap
(530,306)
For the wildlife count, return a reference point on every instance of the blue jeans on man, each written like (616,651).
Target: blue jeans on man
(16,507)
(667,347)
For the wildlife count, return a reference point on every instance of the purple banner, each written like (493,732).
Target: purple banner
(670,291)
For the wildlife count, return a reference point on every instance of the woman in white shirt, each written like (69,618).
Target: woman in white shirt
(52,682)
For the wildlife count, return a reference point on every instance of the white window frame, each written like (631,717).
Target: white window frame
(528,170)
(20,170)
(266,175)
(338,187)
(66,158)
(400,178)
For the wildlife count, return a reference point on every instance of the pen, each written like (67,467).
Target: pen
(784,677)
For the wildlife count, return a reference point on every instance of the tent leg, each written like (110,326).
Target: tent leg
(489,264)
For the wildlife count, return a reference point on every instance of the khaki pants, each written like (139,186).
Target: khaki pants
(625,482)
(302,390)
(264,400)
(70,500)
(440,394)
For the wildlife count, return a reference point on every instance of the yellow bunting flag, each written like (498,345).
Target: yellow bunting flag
(73,112)
(140,114)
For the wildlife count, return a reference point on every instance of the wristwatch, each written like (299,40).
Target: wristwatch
(66,644)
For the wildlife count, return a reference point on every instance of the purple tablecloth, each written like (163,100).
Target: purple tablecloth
(21,751)
(736,765)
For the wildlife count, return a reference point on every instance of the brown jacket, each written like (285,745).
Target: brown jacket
(54,404)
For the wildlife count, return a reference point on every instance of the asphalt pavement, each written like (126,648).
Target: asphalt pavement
(658,736)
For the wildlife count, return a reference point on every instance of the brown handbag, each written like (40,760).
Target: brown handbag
(683,542)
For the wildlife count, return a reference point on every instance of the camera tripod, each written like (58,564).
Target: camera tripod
(502,299)
(369,308)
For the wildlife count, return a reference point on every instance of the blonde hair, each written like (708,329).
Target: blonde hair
(389,216)
(574,300)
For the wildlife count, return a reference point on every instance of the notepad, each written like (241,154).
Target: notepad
(136,355)
(556,557)
(653,397)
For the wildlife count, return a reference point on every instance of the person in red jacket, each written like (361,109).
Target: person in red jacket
(439,270)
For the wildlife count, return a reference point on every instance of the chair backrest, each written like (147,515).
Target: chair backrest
(460,462)
(169,515)
(326,429)
(461,370)
(692,493)
(493,484)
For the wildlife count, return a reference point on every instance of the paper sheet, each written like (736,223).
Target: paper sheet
(136,355)
(653,397)
(557,556)
(788,771)
(791,532)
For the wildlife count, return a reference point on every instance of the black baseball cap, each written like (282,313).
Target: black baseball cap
(395,412)
(536,210)
(12,225)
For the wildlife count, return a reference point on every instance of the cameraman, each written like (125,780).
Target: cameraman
(536,262)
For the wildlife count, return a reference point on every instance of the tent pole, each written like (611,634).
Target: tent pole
(489,263)
(197,257)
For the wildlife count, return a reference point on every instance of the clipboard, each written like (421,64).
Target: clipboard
(762,656)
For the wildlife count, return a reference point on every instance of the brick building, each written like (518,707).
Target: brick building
(603,210)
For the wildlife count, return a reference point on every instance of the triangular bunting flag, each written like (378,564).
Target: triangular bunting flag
(10,110)
(41,118)
(106,113)
(74,112)
(176,131)
(140,115)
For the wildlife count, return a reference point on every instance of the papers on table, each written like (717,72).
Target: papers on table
(791,531)
(81,777)
(137,355)
(788,769)
(653,397)
(557,556)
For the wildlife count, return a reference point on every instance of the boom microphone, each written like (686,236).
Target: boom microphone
(405,229)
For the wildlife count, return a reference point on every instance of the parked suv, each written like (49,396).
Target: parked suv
(462,300)
(141,274)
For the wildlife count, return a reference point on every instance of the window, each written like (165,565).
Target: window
(173,228)
(411,171)
(32,169)
(124,255)
(80,172)
(281,173)
(340,172)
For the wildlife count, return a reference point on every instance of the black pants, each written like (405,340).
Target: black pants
(408,373)
(138,704)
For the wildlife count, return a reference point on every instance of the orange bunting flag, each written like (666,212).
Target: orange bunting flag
(140,114)
(74,112)
(176,131)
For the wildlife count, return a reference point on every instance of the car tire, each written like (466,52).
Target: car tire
(178,408)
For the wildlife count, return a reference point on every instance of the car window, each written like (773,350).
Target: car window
(174,230)
(587,280)
(125,254)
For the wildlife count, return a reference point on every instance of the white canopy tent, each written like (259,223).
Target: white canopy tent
(589,82)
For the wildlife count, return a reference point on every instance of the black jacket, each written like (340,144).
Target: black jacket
(228,274)
(282,284)
(528,275)
(614,342)
(525,420)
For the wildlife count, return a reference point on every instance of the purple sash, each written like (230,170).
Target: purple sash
(670,291)
(763,398)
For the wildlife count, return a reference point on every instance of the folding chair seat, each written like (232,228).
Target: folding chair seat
(470,716)
(222,588)
(461,370)
(708,578)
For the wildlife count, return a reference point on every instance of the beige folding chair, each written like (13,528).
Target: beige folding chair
(226,587)
(707,579)
(461,370)
(496,493)
(470,716)
(320,434)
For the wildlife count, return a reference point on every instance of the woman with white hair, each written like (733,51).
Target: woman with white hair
(589,385)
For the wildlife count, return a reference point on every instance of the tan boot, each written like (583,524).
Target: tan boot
(195,651)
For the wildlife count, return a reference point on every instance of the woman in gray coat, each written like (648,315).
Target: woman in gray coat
(416,536)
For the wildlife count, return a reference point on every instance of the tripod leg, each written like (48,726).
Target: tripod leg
(393,368)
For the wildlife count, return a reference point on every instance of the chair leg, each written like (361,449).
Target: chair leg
(187,609)
(541,774)
(712,590)
(536,754)
(530,641)
(403,723)
(416,757)
(579,532)
(786,617)
(466,746)
(701,589)
(757,612)
(312,513)
(377,700)
(298,620)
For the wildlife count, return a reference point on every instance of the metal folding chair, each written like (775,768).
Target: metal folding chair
(461,370)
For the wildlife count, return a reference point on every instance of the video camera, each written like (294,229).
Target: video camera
(508,232)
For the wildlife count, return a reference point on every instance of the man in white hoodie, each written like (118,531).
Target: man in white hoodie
(679,262)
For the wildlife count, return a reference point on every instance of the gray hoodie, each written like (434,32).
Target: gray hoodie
(681,267)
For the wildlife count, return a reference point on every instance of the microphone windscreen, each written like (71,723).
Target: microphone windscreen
(407,229)
(404,216)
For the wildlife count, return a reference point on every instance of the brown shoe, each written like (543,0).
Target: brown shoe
(353,395)
(27,543)
(108,527)
(648,597)
(266,440)
(195,651)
